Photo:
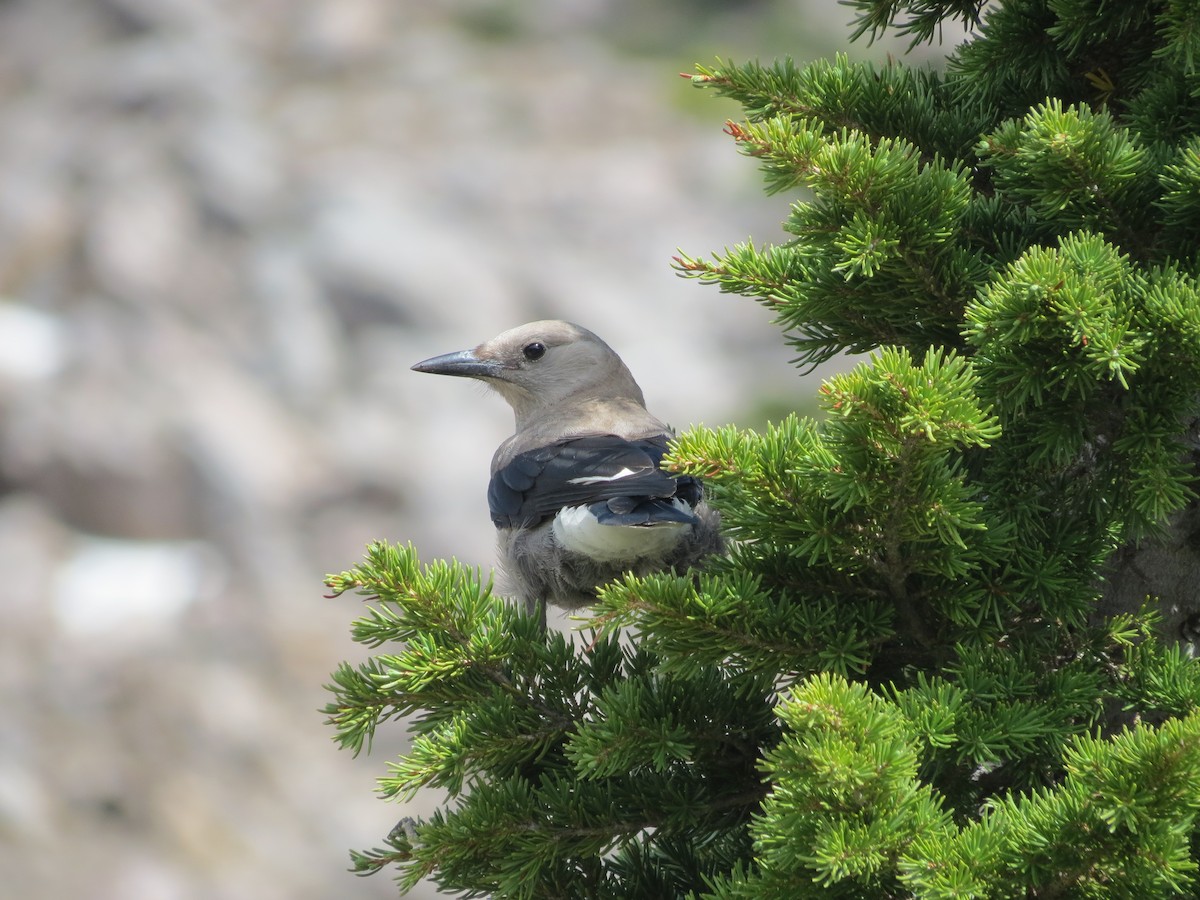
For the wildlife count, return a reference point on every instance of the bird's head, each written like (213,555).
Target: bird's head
(539,366)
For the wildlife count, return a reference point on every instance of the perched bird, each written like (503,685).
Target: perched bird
(576,494)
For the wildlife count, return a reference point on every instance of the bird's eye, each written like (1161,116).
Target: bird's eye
(534,351)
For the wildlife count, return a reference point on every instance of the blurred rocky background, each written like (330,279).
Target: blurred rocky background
(227,228)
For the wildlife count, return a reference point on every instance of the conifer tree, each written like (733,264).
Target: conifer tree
(949,652)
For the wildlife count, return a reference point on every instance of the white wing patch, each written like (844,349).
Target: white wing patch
(576,529)
(597,479)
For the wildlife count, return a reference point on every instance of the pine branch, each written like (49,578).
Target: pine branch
(941,658)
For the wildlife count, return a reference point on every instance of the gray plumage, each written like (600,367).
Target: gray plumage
(576,493)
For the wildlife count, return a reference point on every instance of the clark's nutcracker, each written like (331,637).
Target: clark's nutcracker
(577,494)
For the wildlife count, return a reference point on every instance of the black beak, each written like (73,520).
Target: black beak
(463,363)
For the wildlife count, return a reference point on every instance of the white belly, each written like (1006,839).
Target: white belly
(577,530)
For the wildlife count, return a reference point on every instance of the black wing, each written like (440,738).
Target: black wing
(621,477)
